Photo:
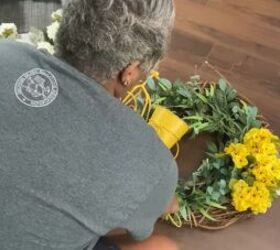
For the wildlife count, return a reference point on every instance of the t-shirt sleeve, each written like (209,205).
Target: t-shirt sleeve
(141,223)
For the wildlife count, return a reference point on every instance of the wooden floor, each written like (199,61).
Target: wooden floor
(242,39)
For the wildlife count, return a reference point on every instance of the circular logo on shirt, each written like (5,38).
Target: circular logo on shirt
(36,88)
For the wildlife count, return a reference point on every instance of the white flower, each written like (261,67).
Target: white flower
(52,30)
(36,35)
(278,192)
(46,46)
(8,30)
(57,15)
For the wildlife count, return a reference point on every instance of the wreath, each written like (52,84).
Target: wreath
(240,176)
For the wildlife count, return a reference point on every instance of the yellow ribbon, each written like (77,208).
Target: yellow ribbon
(159,128)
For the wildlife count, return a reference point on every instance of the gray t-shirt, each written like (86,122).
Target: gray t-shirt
(74,162)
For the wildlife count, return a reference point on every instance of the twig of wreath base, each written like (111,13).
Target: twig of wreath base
(226,223)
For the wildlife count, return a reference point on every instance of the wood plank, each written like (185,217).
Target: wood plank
(225,57)
(204,2)
(264,9)
(205,20)
(258,69)
(255,49)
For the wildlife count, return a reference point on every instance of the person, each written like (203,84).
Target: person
(75,162)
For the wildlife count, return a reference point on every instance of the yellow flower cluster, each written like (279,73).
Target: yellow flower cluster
(264,166)
(239,154)
(261,141)
(267,169)
(257,198)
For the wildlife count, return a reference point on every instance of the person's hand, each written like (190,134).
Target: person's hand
(173,207)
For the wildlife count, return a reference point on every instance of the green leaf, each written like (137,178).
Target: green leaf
(140,100)
(165,84)
(216,205)
(210,190)
(222,183)
(216,196)
(158,100)
(221,100)
(256,124)
(216,165)
(223,191)
(206,215)
(184,92)
(222,85)
(212,147)
(224,171)
(151,83)
(196,131)
(232,95)
(201,97)
(195,117)
(207,92)
(177,83)
(183,212)
(253,111)
(235,109)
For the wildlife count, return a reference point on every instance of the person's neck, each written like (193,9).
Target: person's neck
(110,88)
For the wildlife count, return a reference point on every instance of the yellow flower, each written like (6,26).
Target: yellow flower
(269,148)
(260,198)
(261,147)
(267,169)
(240,196)
(257,198)
(239,154)
(261,140)
(240,161)
(260,135)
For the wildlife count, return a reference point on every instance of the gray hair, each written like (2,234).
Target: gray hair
(102,37)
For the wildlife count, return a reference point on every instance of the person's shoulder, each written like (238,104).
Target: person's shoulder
(143,140)
(13,44)
(18,49)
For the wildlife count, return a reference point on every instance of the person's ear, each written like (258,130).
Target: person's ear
(131,74)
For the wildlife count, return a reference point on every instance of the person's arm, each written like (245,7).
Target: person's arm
(154,242)
(140,225)
(173,207)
